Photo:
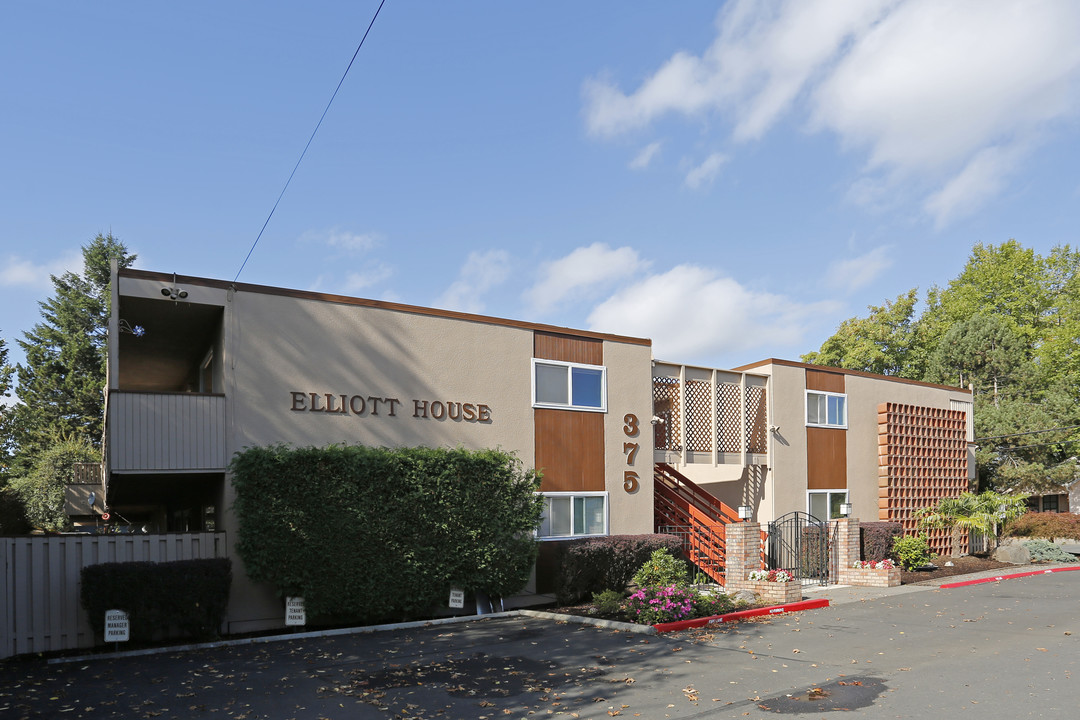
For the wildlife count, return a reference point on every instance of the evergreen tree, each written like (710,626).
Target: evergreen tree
(7,372)
(60,387)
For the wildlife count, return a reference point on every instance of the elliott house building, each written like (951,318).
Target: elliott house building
(199,369)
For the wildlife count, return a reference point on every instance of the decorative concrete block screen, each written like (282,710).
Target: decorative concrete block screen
(922,457)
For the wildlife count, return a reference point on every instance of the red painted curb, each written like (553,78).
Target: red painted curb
(717,619)
(996,578)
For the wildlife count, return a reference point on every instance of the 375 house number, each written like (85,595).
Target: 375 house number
(630,449)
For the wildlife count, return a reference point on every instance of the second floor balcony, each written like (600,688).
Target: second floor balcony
(166,431)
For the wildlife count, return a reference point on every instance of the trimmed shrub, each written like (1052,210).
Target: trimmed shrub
(608,603)
(607,563)
(375,534)
(662,568)
(912,551)
(876,539)
(186,597)
(1046,525)
(1046,551)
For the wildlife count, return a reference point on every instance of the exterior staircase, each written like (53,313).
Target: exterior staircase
(682,508)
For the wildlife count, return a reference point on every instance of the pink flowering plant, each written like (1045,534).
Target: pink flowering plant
(660,604)
(886,564)
(777,575)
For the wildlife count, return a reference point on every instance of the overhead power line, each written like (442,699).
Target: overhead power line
(1032,432)
(304,152)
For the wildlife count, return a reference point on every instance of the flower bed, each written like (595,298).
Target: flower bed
(772,592)
(867,573)
(774,587)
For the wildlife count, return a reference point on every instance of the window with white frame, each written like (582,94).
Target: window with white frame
(824,409)
(573,515)
(572,386)
(825,504)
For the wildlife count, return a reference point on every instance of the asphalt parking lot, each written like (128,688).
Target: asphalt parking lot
(1000,650)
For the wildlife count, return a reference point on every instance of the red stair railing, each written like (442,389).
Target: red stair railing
(682,508)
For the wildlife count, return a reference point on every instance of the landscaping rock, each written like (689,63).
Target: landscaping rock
(744,595)
(1012,554)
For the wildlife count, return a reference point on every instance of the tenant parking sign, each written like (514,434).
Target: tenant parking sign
(294,611)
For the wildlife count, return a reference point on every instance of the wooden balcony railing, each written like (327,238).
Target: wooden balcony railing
(166,431)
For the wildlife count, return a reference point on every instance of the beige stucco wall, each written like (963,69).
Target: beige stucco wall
(789,467)
(275,345)
(864,394)
(629,392)
(788,444)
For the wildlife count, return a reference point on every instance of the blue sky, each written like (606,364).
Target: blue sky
(729,179)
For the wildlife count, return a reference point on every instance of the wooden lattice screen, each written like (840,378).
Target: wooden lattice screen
(698,416)
(756,420)
(727,418)
(666,407)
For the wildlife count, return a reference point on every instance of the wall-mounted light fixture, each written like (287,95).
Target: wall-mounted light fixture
(745,512)
(174,292)
(845,509)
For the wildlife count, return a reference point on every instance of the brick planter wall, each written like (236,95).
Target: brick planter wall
(870,577)
(774,593)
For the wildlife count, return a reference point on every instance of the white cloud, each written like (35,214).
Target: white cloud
(18,271)
(923,87)
(763,55)
(585,272)
(480,273)
(347,241)
(858,272)
(643,159)
(706,172)
(371,274)
(935,82)
(692,313)
(981,180)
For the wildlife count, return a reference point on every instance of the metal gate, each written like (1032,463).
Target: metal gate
(803,545)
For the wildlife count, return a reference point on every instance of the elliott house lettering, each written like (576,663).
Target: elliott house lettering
(375,406)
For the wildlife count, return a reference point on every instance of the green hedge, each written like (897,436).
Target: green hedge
(371,534)
(876,539)
(188,597)
(607,563)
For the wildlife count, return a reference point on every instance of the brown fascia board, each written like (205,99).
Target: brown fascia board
(845,371)
(381,304)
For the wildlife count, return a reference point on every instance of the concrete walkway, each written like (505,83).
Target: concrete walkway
(844,594)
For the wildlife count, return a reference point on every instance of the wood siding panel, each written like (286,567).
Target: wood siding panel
(569,450)
(548,346)
(824,381)
(826,458)
(166,431)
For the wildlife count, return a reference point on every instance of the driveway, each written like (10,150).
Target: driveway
(999,650)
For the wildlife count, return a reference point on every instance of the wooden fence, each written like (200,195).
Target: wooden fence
(39,582)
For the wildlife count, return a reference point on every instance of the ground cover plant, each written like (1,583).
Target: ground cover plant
(1046,551)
